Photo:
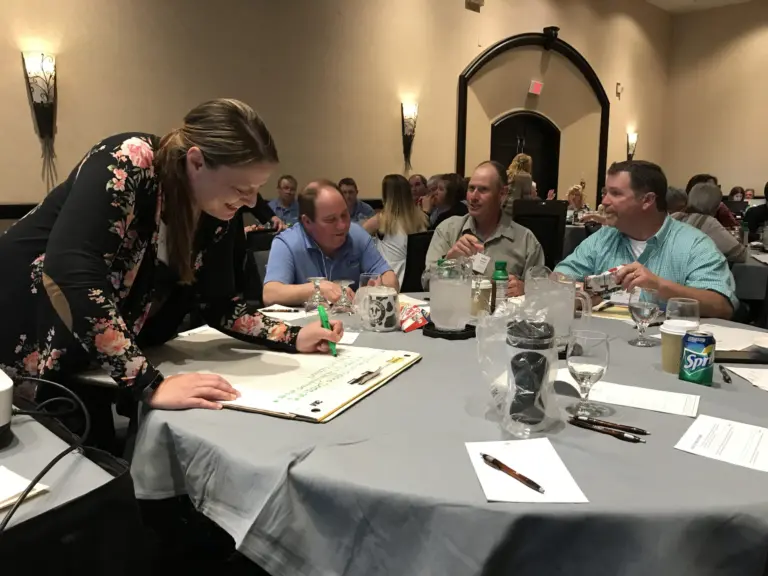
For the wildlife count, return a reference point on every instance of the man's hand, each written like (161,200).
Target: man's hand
(330,291)
(466,246)
(278,224)
(515,287)
(636,275)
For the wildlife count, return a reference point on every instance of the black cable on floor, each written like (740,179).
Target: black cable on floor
(78,443)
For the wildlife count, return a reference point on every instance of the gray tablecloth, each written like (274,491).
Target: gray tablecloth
(751,279)
(32,447)
(387,487)
(574,235)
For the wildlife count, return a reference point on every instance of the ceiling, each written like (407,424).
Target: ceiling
(688,5)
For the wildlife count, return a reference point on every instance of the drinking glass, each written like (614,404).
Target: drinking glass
(683,309)
(344,308)
(317,299)
(369,280)
(587,358)
(644,308)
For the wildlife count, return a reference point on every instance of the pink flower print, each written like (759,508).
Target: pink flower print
(138,152)
(248,324)
(30,363)
(118,185)
(134,366)
(278,332)
(218,230)
(120,174)
(111,342)
(55,354)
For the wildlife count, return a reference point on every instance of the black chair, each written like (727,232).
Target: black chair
(415,261)
(375,203)
(259,244)
(546,219)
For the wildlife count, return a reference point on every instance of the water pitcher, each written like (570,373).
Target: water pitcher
(450,292)
(557,294)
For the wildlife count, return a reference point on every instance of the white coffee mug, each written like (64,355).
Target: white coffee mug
(378,308)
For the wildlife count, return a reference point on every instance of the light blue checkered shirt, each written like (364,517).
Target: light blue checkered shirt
(677,252)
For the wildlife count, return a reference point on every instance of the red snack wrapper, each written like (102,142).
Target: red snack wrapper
(411,318)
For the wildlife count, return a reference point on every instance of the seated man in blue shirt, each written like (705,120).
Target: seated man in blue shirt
(657,252)
(358,211)
(323,244)
(285,206)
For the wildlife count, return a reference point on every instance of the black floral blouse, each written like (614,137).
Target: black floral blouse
(80,273)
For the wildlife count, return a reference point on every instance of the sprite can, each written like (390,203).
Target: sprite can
(698,361)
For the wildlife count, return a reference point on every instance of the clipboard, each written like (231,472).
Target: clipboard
(307,387)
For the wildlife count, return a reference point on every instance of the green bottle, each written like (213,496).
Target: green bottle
(500,279)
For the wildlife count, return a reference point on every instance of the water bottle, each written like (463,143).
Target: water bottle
(500,281)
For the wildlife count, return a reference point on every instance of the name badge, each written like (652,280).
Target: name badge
(480,263)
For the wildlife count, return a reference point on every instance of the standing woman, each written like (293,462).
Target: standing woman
(140,226)
(399,218)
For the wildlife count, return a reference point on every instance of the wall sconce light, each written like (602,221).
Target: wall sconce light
(631,144)
(409,112)
(40,70)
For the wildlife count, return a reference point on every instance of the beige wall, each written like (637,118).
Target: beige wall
(327,75)
(567,100)
(717,120)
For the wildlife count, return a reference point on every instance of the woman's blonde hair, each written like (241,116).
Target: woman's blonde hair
(400,214)
(575,188)
(228,133)
(522,163)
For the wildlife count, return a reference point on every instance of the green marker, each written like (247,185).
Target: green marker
(327,325)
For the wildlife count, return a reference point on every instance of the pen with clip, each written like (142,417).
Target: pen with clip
(724,372)
(622,427)
(501,467)
(625,436)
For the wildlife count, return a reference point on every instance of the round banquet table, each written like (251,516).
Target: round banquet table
(387,487)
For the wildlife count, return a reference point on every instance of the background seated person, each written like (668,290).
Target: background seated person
(723,215)
(418,188)
(399,218)
(324,243)
(702,205)
(285,206)
(658,252)
(756,218)
(359,211)
(484,230)
(736,194)
(677,200)
(446,200)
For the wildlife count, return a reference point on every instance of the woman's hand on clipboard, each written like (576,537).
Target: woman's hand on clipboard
(314,338)
(184,391)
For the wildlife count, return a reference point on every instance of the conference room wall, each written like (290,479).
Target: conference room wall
(327,75)
(567,100)
(717,96)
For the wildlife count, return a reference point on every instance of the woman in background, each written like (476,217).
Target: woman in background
(736,194)
(576,199)
(399,218)
(703,200)
(521,164)
(447,201)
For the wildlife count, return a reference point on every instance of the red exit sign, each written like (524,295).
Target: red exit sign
(536,88)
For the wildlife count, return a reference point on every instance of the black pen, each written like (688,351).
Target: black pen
(724,372)
(501,467)
(276,310)
(622,427)
(610,432)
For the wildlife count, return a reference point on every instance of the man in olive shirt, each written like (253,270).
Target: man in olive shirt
(484,230)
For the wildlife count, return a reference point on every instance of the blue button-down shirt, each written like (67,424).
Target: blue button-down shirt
(295,257)
(362,212)
(288,215)
(677,252)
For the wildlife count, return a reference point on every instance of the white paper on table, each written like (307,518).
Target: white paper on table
(726,338)
(646,399)
(757,376)
(761,258)
(12,485)
(274,312)
(621,297)
(349,337)
(535,459)
(727,441)
(405,299)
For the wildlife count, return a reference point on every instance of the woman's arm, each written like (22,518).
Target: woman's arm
(79,273)
(222,307)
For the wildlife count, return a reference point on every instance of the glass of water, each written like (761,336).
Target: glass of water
(587,357)
(644,308)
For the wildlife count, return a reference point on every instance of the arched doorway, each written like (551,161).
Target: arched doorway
(526,131)
(548,41)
